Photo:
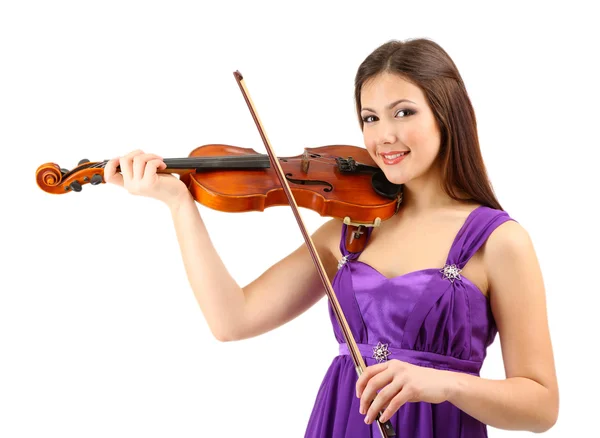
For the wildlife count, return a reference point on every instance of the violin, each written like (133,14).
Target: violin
(335,181)
(338,181)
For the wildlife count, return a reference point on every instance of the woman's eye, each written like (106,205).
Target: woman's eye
(405,111)
(369,119)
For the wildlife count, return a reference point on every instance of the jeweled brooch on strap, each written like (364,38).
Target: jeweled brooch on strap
(451,272)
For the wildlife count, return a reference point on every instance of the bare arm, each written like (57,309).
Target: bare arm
(283,292)
(528,398)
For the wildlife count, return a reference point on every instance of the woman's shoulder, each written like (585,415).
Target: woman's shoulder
(509,239)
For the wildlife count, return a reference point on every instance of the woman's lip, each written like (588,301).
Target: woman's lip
(390,161)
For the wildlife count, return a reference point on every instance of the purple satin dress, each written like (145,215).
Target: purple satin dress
(429,317)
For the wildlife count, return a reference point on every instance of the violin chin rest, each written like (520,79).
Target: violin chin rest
(383,187)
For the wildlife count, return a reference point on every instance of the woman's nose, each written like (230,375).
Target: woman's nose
(387,135)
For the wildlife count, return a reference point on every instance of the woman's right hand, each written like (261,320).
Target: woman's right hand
(139,177)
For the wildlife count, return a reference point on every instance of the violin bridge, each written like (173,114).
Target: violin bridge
(305,161)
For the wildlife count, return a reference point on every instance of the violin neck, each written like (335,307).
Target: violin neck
(211,163)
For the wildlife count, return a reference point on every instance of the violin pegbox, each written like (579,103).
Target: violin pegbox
(51,178)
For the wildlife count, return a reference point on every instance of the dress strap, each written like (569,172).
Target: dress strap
(474,232)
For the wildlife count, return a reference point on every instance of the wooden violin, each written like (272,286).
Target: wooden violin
(335,181)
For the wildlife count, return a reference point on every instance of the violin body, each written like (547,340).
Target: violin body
(315,180)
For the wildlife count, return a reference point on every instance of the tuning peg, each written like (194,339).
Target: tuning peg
(75,186)
(83,161)
(64,171)
(96,179)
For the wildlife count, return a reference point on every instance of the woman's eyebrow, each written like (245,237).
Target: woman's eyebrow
(391,105)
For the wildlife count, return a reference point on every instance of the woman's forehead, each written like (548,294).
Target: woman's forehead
(386,88)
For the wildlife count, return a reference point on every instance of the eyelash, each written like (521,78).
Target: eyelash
(406,110)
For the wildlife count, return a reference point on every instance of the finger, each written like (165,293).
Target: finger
(367,374)
(139,164)
(382,400)
(126,163)
(110,172)
(152,167)
(401,398)
(375,384)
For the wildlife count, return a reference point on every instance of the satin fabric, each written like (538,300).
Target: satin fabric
(425,319)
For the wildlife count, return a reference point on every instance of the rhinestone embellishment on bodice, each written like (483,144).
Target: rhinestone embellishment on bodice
(381,352)
(451,272)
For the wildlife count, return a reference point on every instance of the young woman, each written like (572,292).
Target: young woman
(431,289)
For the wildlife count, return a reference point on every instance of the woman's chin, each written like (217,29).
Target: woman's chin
(395,178)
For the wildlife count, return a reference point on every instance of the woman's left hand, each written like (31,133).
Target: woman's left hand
(402,382)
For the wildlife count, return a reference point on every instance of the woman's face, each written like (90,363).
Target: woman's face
(397,119)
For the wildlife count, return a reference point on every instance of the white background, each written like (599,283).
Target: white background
(100,334)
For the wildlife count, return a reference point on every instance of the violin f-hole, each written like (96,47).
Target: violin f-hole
(309,182)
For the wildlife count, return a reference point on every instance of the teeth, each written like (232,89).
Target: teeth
(391,157)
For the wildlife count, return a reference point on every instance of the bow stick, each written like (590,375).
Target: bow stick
(386,428)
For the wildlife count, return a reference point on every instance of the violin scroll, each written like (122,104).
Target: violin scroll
(51,178)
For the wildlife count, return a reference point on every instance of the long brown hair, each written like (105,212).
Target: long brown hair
(425,64)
